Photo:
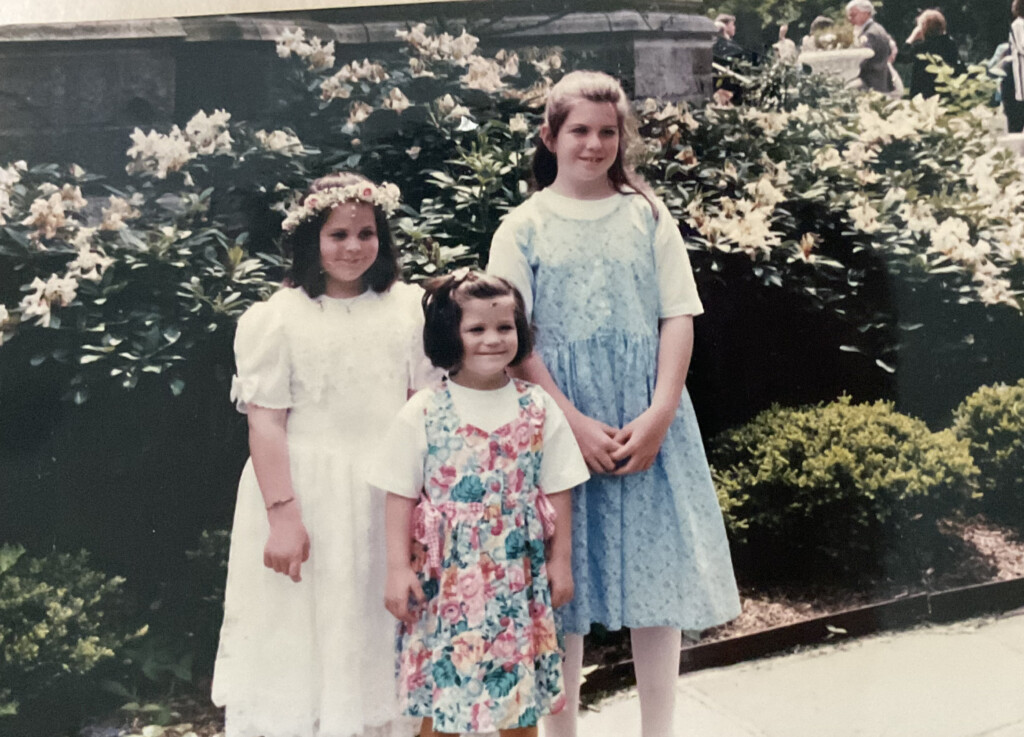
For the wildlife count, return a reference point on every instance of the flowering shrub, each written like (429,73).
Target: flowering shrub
(807,187)
(838,489)
(992,420)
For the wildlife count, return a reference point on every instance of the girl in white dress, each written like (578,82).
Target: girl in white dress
(323,366)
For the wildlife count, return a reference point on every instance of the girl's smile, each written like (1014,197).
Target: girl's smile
(348,247)
(585,148)
(489,342)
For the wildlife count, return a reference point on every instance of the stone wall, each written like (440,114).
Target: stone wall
(75,92)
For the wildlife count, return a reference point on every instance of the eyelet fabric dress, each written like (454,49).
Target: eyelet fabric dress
(484,654)
(314,658)
(649,549)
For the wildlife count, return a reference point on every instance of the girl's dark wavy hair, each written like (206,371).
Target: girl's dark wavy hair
(302,245)
(594,87)
(442,313)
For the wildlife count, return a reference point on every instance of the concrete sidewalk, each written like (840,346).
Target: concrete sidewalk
(962,680)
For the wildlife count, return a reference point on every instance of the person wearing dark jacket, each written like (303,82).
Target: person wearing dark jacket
(929,38)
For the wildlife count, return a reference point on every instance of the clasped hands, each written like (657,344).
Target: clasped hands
(621,451)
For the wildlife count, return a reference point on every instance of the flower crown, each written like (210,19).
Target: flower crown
(384,195)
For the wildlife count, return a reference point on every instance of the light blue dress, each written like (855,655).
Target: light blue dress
(649,549)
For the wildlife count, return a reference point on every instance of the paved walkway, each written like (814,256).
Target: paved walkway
(962,680)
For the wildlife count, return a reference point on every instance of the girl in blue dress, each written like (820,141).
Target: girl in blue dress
(604,271)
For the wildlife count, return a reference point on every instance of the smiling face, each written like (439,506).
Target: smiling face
(348,247)
(489,341)
(585,147)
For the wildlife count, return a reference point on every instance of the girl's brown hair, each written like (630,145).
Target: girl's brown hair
(442,312)
(302,245)
(594,87)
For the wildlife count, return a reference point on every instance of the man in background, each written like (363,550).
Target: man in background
(875,73)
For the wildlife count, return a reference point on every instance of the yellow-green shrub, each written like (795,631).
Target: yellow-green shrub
(54,622)
(839,488)
(992,421)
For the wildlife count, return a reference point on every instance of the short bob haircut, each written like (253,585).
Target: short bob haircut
(302,245)
(442,313)
(1017,9)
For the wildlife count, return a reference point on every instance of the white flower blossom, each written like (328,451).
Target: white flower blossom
(54,292)
(335,88)
(158,154)
(864,216)
(919,216)
(764,192)
(115,214)
(89,265)
(482,74)
(358,112)
(518,124)
(859,154)
(72,196)
(950,238)
(370,71)
(279,141)
(46,215)
(208,134)
(443,47)
(397,101)
(413,152)
(827,158)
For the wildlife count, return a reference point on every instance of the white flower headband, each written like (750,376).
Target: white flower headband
(385,195)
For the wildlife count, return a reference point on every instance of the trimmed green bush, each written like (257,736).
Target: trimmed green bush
(992,421)
(838,488)
(55,623)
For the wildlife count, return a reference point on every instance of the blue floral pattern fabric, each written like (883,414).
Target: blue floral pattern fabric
(649,549)
(484,654)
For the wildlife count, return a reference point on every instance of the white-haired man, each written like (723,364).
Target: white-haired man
(874,71)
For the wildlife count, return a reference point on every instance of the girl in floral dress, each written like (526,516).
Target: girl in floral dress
(604,271)
(469,573)
(323,366)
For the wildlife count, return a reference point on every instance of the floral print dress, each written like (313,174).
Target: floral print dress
(484,654)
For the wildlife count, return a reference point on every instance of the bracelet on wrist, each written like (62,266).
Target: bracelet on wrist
(279,503)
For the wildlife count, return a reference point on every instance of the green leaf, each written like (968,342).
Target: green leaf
(9,555)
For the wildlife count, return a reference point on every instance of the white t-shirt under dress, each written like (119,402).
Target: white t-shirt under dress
(316,658)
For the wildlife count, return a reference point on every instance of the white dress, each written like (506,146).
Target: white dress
(316,658)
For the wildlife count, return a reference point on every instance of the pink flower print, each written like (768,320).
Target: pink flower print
(544,638)
(497,528)
(471,584)
(504,646)
(494,485)
(467,650)
(514,481)
(451,612)
(449,584)
(445,477)
(516,578)
(481,718)
(523,436)
(475,612)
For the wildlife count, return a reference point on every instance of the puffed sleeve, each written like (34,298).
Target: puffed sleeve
(397,465)
(508,261)
(677,289)
(262,359)
(562,466)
